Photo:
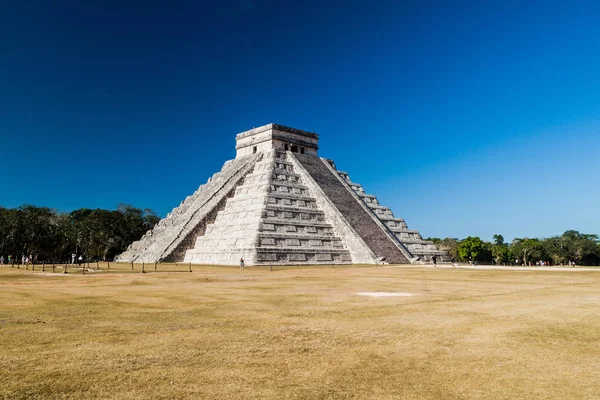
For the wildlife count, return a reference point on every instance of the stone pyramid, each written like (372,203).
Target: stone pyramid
(277,202)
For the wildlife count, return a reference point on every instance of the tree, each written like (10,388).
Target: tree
(580,247)
(448,245)
(53,236)
(527,250)
(498,239)
(471,249)
(500,250)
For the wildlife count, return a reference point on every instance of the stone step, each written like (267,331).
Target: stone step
(387,218)
(275,185)
(278,240)
(377,206)
(285,172)
(398,229)
(302,236)
(312,209)
(293,216)
(296,222)
(289,196)
(274,255)
(365,195)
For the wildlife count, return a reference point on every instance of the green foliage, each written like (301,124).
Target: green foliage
(470,249)
(53,236)
(99,234)
(527,251)
(572,246)
(498,239)
(450,246)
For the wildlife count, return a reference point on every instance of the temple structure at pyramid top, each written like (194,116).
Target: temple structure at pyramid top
(277,202)
(276,137)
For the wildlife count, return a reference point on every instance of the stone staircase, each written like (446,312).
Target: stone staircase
(382,243)
(270,219)
(169,239)
(293,228)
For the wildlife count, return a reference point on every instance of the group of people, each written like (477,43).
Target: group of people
(25,260)
(79,260)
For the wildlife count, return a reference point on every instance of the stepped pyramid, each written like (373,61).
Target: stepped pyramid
(277,202)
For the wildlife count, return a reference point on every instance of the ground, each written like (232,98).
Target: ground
(300,333)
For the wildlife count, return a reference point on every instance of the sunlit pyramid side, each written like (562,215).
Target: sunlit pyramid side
(278,203)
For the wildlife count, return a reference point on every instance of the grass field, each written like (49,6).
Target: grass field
(219,333)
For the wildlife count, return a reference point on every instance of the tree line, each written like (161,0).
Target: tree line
(45,234)
(97,234)
(572,247)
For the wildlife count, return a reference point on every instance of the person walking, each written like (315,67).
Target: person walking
(2,260)
(80,259)
(434,261)
(242,264)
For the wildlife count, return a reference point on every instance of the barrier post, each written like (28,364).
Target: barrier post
(142,271)
(190,266)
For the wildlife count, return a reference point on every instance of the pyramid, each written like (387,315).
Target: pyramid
(278,203)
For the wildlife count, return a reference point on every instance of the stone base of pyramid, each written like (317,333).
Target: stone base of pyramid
(278,203)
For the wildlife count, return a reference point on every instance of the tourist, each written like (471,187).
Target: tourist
(2,260)
(80,259)
(434,261)
(9,258)
(23,259)
(242,264)
(73,258)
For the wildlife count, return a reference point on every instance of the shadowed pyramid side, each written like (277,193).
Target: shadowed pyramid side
(381,242)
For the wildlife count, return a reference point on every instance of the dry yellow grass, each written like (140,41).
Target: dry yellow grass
(218,333)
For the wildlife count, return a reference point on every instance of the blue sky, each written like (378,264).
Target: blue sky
(466,118)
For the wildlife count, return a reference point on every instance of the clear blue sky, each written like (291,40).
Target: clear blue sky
(467,118)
